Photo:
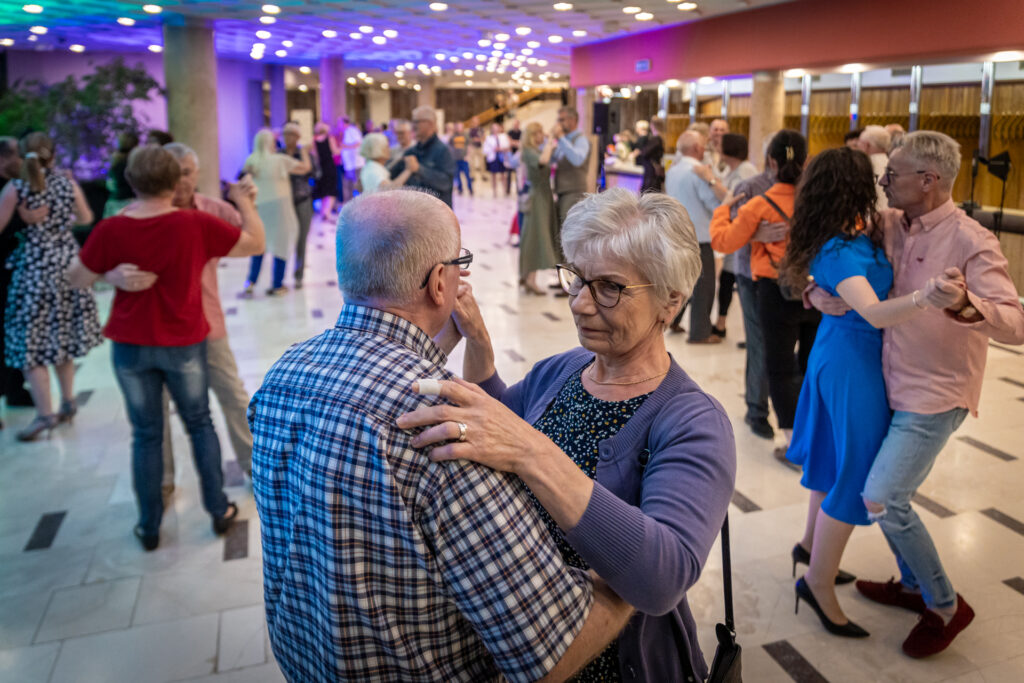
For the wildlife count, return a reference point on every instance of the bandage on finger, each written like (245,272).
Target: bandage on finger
(429,387)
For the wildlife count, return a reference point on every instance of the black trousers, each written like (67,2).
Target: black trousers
(702,300)
(789,331)
(11,380)
(726,284)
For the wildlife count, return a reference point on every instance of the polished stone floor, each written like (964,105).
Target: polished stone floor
(81,602)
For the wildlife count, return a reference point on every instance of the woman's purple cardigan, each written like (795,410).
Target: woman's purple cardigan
(662,488)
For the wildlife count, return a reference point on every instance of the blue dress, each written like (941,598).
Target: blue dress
(843,413)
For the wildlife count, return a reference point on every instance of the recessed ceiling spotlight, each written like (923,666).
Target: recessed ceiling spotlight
(38,30)
(409,65)
(687,6)
(126,21)
(380,40)
(531,60)
(856,68)
(152,9)
(467,55)
(369,80)
(32,9)
(794,73)
(271,9)
(77,48)
(400,81)
(366,29)
(554,39)
(1004,56)
(281,53)
(527,51)
(534,44)
(436,69)
(417,87)
(287,43)
(562,6)
(542,62)
(469,82)
(355,36)
(350,80)
(303,87)
(440,57)
(632,9)
(256,55)
(644,16)
(267,20)
(438,6)
(262,35)
(453,59)
(390,33)
(509,55)
(523,30)
(479,67)
(6,42)
(501,37)
(706,80)
(305,70)
(326,33)
(495,53)
(156,48)
(361,75)
(384,86)
(579,33)
(33,38)
(258,47)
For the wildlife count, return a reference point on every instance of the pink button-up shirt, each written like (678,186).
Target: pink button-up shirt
(936,362)
(211,293)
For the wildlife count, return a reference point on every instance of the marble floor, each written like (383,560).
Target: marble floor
(81,602)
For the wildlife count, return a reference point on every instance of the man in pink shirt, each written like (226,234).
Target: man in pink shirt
(933,367)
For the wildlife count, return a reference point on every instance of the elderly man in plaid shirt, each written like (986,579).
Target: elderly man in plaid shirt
(378,564)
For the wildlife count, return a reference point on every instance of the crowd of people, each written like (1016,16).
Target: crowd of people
(476,526)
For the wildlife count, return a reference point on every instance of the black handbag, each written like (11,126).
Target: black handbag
(726,666)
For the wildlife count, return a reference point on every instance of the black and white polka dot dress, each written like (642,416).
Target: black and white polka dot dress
(47,322)
(578,422)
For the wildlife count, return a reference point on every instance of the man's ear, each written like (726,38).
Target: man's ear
(436,285)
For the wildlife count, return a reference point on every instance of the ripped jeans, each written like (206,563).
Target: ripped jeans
(904,460)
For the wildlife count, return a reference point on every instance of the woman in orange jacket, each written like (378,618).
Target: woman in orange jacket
(786,323)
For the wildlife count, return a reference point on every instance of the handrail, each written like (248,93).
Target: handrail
(489,115)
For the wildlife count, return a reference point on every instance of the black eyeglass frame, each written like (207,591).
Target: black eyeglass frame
(463,260)
(565,267)
(889,174)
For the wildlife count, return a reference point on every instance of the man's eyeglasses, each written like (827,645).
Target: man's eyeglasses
(605,292)
(463,260)
(889,174)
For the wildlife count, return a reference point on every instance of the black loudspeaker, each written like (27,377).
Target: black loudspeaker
(614,116)
(600,118)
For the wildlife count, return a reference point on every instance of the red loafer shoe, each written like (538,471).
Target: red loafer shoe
(932,636)
(893,594)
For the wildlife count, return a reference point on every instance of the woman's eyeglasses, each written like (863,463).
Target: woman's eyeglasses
(605,292)
(463,260)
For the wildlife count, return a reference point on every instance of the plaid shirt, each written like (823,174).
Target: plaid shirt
(378,564)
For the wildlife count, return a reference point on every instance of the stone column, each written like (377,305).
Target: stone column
(332,89)
(427,94)
(585,98)
(273,74)
(190,75)
(767,110)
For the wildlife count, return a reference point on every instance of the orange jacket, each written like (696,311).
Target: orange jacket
(729,235)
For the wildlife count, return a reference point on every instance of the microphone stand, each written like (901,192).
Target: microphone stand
(969,206)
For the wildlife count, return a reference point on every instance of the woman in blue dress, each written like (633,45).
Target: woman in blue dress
(843,414)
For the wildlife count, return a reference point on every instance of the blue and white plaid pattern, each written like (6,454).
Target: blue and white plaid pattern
(378,564)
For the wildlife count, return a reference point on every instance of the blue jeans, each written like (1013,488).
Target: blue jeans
(904,460)
(256,263)
(756,374)
(462,168)
(142,372)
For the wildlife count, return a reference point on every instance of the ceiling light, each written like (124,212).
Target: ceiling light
(469,82)
(38,30)
(636,89)
(672,83)
(479,67)
(644,16)
(579,33)
(1004,56)
(436,69)
(267,20)
(303,87)
(632,9)
(32,9)
(305,70)
(562,6)
(458,72)
(409,65)
(126,21)
(262,35)
(380,40)
(152,9)
(523,30)
(687,6)
(156,48)
(495,53)
(366,29)
(417,87)
(542,62)
(350,80)
(6,42)
(390,33)
(853,68)
(361,74)
(440,57)
(369,80)
(517,63)
(271,9)
(258,47)
(509,55)
(501,37)
(706,80)
(400,81)
(483,42)
(281,53)
(531,60)
(438,6)
(287,43)
(467,55)
(490,68)
(33,38)
(326,33)
(384,86)
(498,46)
(256,55)
(527,51)
(453,59)
(533,43)
(355,36)
(793,73)
(77,48)
(554,39)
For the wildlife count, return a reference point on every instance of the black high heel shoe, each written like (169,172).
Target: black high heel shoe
(847,630)
(801,556)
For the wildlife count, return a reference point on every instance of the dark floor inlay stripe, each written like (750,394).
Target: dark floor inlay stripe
(744,503)
(236,541)
(1005,519)
(937,509)
(317,313)
(508,309)
(991,450)
(45,531)
(233,474)
(514,355)
(550,316)
(231,310)
(1014,382)
(507,284)
(1016,583)
(332,283)
(793,663)
(484,266)
(1008,350)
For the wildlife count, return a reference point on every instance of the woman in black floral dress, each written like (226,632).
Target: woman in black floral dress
(47,321)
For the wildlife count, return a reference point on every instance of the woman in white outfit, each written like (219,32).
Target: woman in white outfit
(374,175)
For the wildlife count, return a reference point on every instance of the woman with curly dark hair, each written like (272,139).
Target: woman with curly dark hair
(842,415)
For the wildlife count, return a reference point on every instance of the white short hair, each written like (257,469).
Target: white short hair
(424,112)
(388,241)
(877,136)
(180,150)
(651,232)
(374,146)
(936,151)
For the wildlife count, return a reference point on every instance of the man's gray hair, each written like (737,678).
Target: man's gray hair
(424,112)
(651,232)
(571,111)
(877,136)
(401,124)
(388,241)
(180,151)
(936,151)
(689,141)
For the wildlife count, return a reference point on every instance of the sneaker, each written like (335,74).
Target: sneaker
(277,291)
(932,636)
(760,426)
(247,291)
(892,593)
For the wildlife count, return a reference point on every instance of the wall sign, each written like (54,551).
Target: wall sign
(642,65)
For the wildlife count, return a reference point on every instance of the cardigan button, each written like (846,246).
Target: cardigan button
(644,457)
(631,671)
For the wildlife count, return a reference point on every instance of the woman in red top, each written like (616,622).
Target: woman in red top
(159,331)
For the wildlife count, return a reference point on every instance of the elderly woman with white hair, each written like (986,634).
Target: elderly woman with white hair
(374,175)
(875,141)
(271,172)
(631,463)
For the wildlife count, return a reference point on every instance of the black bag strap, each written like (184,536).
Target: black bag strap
(727,576)
(785,216)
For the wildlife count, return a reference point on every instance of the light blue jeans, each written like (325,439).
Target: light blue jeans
(904,460)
